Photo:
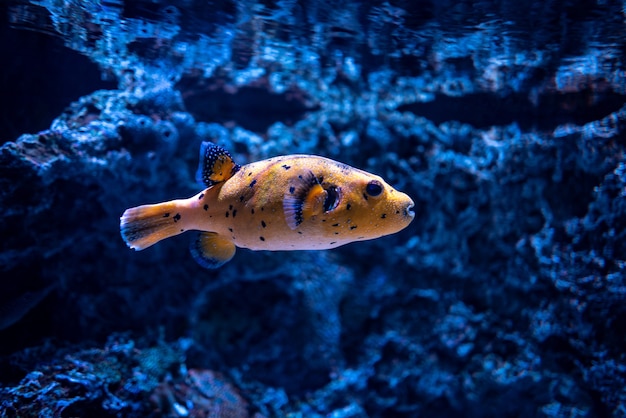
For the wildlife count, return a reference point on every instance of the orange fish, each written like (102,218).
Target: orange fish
(291,202)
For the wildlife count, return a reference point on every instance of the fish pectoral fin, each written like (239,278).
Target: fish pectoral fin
(211,250)
(304,198)
(216,164)
(314,202)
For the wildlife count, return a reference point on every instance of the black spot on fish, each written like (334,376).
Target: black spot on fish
(241,198)
(262,239)
(249,174)
(262,208)
(206,207)
(292,189)
(383,216)
(336,233)
(263,224)
(300,232)
(348,206)
(166,215)
(230,207)
(201,196)
(397,212)
(234,212)
(335,224)
(177,217)
(252,183)
(364,196)
(286,167)
(353,227)
(230,229)
(300,176)
(333,242)
(252,211)
(345,168)
(182,230)
(227,214)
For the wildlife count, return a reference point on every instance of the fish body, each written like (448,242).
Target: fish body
(293,202)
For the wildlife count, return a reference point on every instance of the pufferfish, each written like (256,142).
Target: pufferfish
(291,202)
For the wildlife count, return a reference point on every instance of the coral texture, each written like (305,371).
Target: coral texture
(504,121)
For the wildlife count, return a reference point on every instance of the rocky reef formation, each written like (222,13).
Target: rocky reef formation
(505,297)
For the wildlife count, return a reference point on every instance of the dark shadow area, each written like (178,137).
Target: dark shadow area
(195,17)
(39,78)
(241,328)
(483,110)
(253,108)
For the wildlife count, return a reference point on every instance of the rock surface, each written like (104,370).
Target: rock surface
(505,296)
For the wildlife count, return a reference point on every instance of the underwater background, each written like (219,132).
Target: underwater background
(505,121)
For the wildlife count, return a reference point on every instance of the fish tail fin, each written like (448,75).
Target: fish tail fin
(143,226)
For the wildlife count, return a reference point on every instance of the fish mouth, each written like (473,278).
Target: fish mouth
(409,211)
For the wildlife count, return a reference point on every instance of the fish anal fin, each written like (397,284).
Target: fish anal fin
(211,250)
(216,164)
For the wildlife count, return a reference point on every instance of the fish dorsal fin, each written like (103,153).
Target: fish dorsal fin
(216,164)
(211,250)
(304,198)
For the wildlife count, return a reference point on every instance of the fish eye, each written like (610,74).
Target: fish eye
(374,188)
(332,199)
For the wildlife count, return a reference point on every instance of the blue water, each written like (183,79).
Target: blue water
(504,122)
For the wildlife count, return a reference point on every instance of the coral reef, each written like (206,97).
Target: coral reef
(124,379)
(504,122)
